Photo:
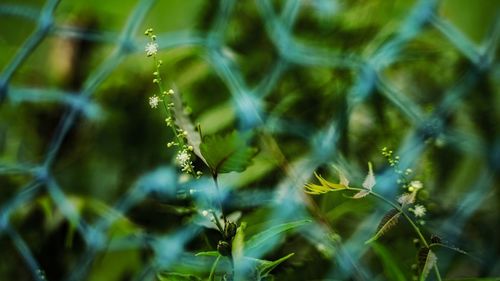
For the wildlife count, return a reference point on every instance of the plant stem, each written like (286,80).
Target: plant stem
(212,270)
(412,223)
(217,194)
(168,110)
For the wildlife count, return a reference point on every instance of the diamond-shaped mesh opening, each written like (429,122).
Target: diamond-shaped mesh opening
(90,191)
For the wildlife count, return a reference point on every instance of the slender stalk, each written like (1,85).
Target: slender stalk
(212,270)
(436,271)
(217,222)
(412,223)
(169,111)
(218,195)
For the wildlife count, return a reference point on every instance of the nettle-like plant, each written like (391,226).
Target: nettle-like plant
(406,206)
(219,154)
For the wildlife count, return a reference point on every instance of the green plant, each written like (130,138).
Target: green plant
(220,154)
(402,207)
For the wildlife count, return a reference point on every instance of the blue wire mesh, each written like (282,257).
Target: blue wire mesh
(369,76)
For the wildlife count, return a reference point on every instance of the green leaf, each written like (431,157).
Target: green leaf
(238,247)
(174,276)
(266,267)
(388,221)
(229,153)
(212,270)
(208,254)
(264,237)
(391,269)
(183,121)
(239,242)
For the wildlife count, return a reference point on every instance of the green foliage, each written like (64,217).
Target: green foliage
(389,262)
(265,267)
(373,73)
(263,237)
(172,276)
(262,268)
(228,153)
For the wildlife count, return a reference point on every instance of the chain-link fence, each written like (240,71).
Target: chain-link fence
(322,81)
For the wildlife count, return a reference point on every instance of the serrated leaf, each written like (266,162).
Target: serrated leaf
(229,153)
(183,121)
(368,183)
(174,276)
(426,260)
(388,221)
(261,238)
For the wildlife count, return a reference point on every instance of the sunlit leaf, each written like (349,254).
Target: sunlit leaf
(229,153)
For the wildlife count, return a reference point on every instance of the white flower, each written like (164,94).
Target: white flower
(153,101)
(416,185)
(151,49)
(407,198)
(183,157)
(184,160)
(419,211)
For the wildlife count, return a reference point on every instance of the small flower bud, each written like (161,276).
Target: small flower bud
(224,248)
(230,230)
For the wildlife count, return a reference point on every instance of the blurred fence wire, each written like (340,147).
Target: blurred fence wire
(251,114)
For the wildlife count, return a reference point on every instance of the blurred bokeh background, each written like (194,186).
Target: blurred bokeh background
(88,186)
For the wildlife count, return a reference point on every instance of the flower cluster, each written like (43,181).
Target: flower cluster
(184,151)
(154,101)
(411,187)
